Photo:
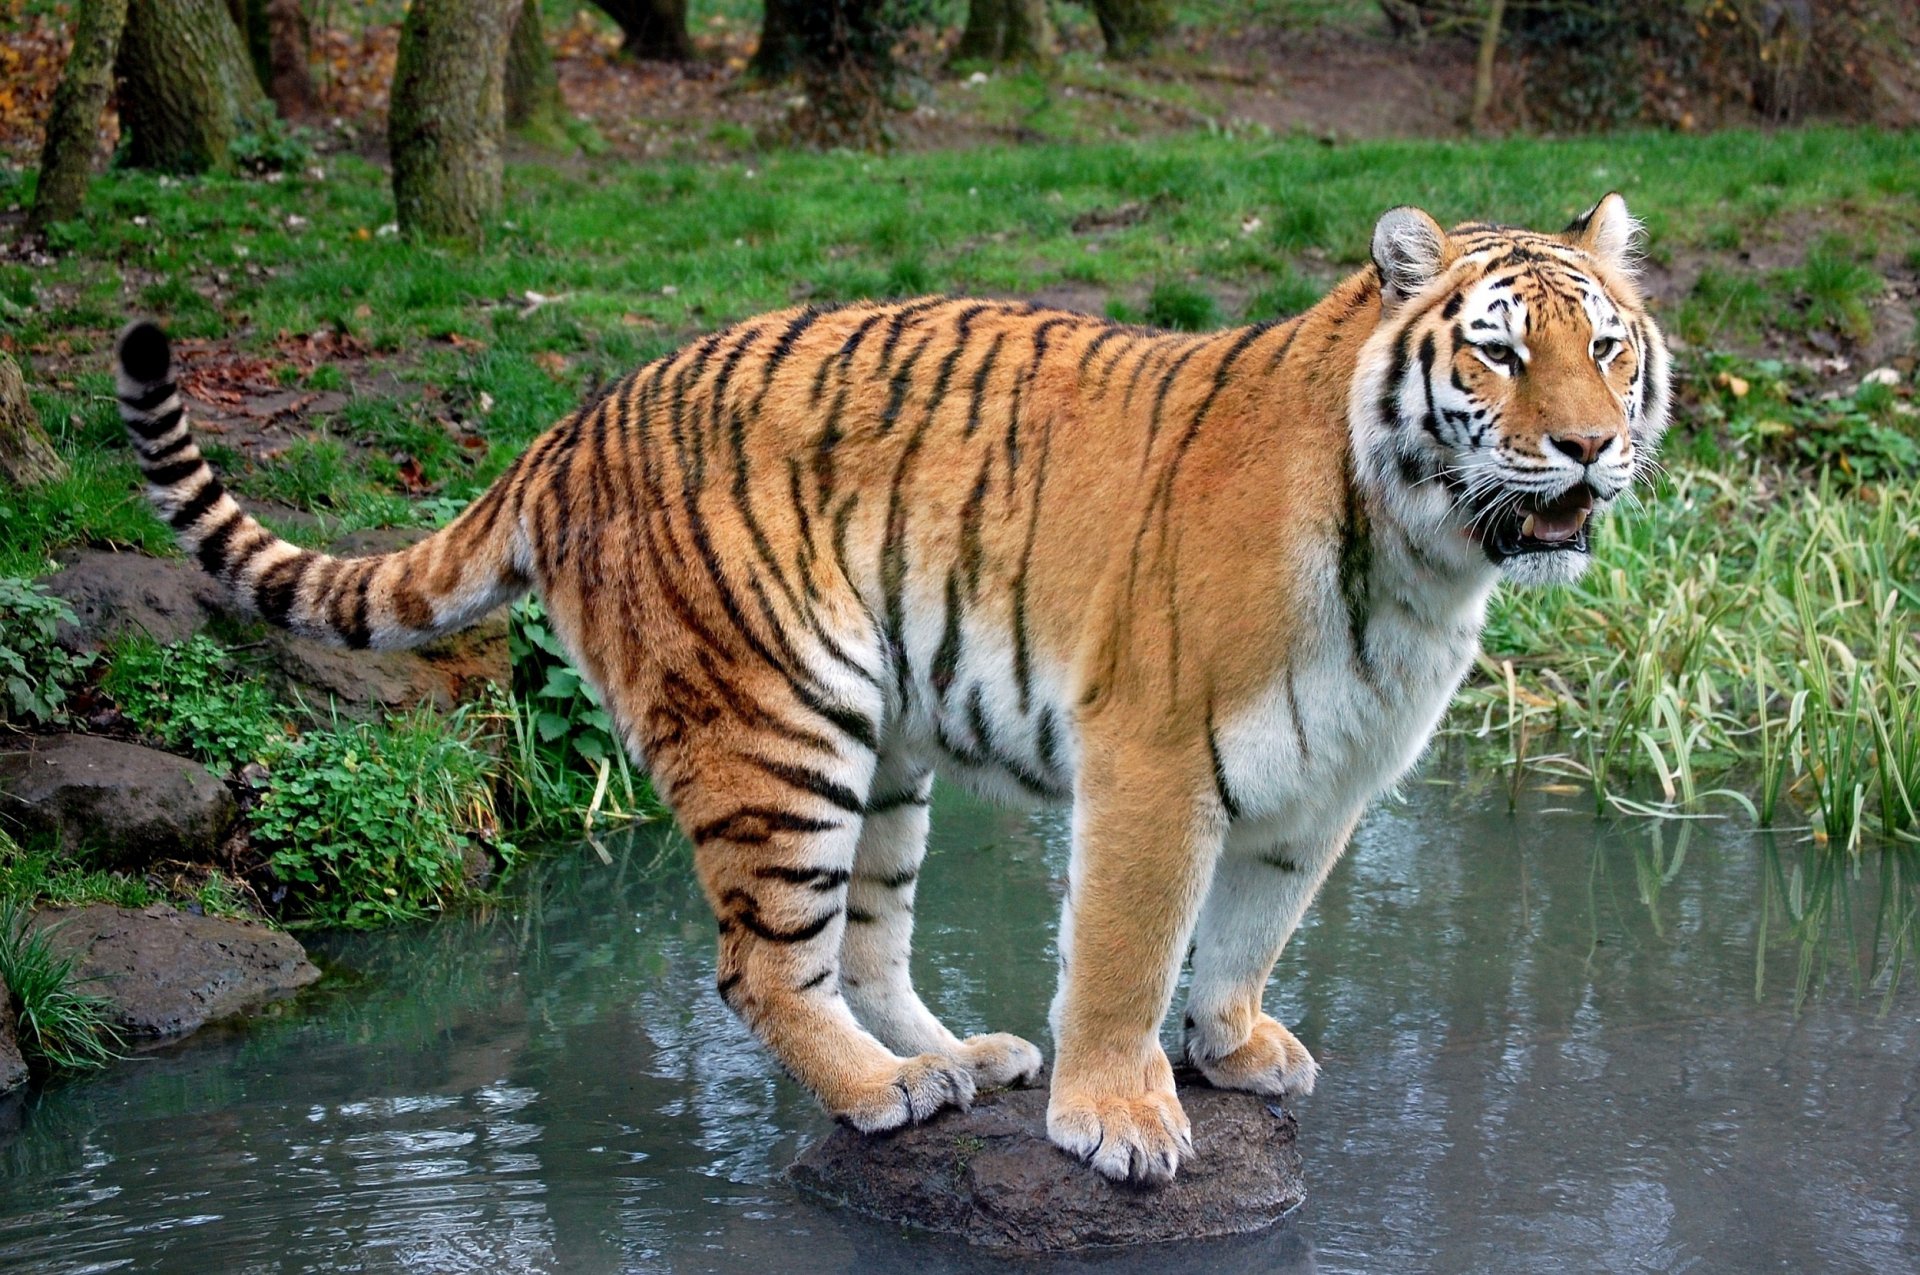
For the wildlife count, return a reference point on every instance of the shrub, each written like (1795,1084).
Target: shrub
(372,824)
(35,671)
(189,697)
(1182,307)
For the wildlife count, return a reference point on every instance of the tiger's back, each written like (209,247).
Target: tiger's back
(1212,589)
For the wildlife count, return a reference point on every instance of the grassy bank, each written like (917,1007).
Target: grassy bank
(1746,639)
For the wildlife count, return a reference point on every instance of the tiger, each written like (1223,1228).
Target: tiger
(1212,590)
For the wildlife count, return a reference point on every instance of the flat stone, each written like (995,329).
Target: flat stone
(115,804)
(13,1067)
(989,1176)
(170,972)
(114,594)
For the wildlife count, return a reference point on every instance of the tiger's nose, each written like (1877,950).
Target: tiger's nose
(1585,448)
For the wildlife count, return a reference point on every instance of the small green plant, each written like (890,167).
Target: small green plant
(190,697)
(272,146)
(1286,296)
(368,825)
(1837,285)
(36,673)
(564,760)
(1182,307)
(34,876)
(60,1026)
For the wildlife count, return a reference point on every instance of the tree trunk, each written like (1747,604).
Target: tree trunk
(446,116)
(27,459)
(534,108)
(1131,27)
(779,53)
(289,59)
(656,30)
(73,125)
(846,64)
(1483,66)
(1006,31)
(186,86)
(250,19)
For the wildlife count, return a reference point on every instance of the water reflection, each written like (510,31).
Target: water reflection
(1548,1042)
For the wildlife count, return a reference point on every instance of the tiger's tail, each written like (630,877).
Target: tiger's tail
(386,601)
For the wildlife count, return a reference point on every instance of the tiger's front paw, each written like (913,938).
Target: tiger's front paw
(998,1060)
(1129,1137)
(915,1090)
(1271,1062)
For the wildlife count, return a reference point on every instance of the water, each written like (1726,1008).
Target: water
(1549,1043)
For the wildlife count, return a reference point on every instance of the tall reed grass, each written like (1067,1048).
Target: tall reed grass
(1745,639)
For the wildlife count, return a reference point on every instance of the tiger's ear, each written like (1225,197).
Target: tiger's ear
(1409,251)
(1608,231)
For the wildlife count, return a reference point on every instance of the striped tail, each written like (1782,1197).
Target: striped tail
(446,582)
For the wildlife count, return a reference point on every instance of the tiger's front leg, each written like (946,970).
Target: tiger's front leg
(1260,891)
(1147,829)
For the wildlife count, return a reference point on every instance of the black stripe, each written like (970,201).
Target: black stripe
(1275,859)
(191,512)
(980,376)
(755,825)
(816,980)
(821,879)
(159,426)
(273,596)
(894,880)
(1227,801)
(174,448)
(946,658)
(1112,331)
(168,475)
(356,631)
(149,398)
(895,801)
(809,780)
(1356,568)
(782,348)
(747,916)
(213,547)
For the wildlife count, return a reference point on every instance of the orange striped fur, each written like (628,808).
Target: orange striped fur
(1213,590)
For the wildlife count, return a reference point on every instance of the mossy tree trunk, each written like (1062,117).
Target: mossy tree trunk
(447,114)
(187,87)
(533,103)
(289,59)
(779,53)
(655,30)
(250,19)
(1006,31)
(846,63)
(27,459)
(1132,27)
(73,125)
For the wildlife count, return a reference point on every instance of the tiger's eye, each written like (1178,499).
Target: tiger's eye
(1503,355)
(1605,348)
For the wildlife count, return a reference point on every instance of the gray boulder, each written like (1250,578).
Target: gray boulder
(113,594)
(169,972)
(990,1177)
(118,805)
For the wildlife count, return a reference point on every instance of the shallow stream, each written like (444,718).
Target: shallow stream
(1549,1042)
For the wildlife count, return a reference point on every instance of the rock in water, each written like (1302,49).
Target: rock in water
(119,805)
(169,972)
(990,1177)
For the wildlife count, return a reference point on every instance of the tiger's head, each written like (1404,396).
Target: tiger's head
(1514,388)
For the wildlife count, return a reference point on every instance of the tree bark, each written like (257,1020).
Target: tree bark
(534,107)
(1006,31)
(447,114)
(779,53)
(1483,66)
(1132,27)
(27,459)
(250,19)
(289,59)
(73,125)
(187,88)
(846,64)
(656,30)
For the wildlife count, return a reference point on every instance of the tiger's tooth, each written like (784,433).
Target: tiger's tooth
(1579,519)
(1526,527)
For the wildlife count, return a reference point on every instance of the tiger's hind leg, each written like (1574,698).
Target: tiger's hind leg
(774,828)
(879,938)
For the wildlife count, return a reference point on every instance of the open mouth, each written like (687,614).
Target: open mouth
(1558,525)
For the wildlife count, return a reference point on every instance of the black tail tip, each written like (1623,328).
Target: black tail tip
(143,352)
